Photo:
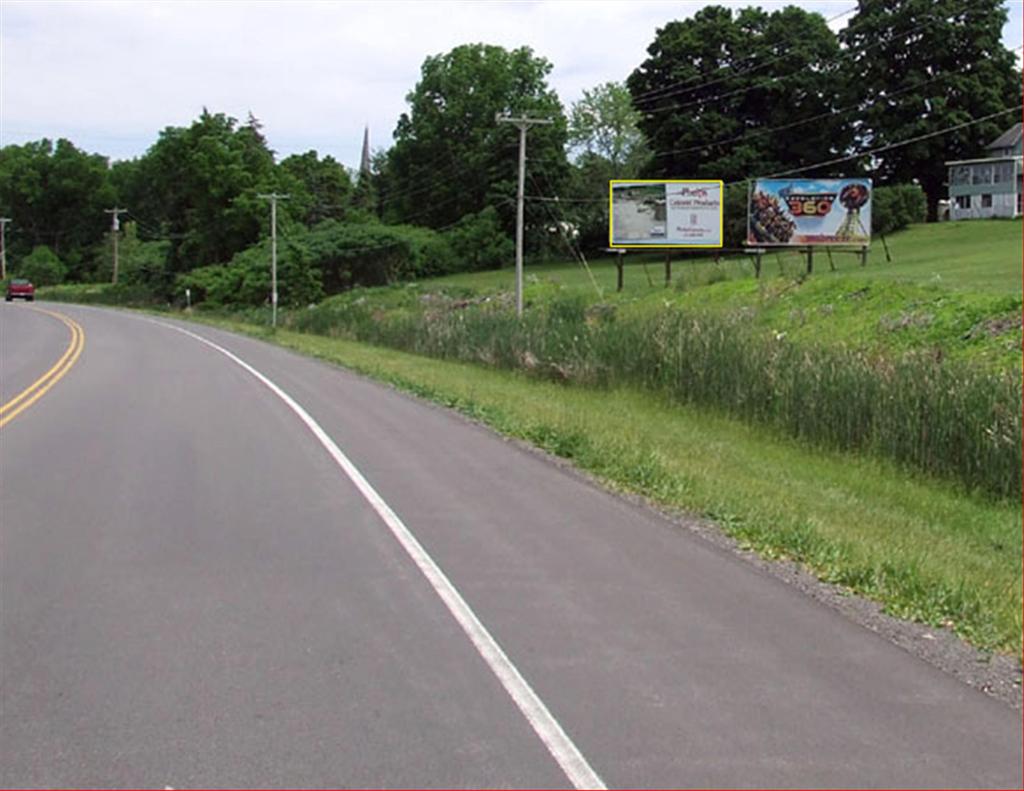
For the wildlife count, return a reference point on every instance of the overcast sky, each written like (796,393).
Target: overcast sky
(110,75)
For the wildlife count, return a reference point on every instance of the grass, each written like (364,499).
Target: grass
(925,551)
(981,255)
(952,420)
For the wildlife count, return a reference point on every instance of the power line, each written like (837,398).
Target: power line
(574,248)
(841,111)
(837,160)
(846,54)
(891,146)
(668,90)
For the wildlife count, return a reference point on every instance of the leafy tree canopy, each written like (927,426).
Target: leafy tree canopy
(604,124)
(42,267)
(55,196)
(320,189)
(715,83)
(199,187)
(921,66)
(451,158)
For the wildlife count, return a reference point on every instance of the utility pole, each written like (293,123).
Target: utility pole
(3,248)
(273,197)
(115,226)
(523,124)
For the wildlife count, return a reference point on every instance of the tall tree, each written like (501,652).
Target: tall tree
(55,196)
(603,123)
(714,84)
(199,186)
(952,50)
(451,158)
(320,189)
(608,144)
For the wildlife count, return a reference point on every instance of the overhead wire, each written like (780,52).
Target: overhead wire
(844,55)
(832,113)
(573,246)
(668,90)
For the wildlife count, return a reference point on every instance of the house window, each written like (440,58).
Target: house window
(981,174)
(986,201)
(961,174)
(963,201)
(1003,172)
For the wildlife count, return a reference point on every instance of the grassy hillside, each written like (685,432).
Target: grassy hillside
(978,256)
(953,289)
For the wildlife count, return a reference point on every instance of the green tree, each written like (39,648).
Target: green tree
(603,123)
(42,267)
(477,242)
(139,262)
(609,145)
(715,83)
(199,188)
(952,49)
(320,189)
(451,158)
(55,196)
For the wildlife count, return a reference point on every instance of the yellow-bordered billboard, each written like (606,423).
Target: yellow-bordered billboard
(646,213)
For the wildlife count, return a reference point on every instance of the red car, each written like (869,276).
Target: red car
(21,288)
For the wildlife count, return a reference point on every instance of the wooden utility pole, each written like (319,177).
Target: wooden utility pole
(273,197)
(115,227)
(3,248)
(523,124)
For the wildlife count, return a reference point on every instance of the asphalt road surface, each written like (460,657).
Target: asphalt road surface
(195,593)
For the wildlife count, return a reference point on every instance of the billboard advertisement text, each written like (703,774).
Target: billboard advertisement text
(804,212)
(672,213)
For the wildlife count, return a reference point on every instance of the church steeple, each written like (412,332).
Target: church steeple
(364,162)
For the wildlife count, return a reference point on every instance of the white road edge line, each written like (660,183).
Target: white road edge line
(543,722)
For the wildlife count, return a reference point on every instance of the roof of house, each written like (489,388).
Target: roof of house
(1007,139)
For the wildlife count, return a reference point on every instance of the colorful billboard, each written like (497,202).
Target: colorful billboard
(665,213)
(805,212)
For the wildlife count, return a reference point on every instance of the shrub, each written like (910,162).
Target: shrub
(245,280)
(894,208)
(478,242)
(42,267)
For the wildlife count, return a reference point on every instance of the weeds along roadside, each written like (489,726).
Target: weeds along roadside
(923,549)
(944,418)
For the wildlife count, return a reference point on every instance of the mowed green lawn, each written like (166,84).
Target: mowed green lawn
(974,256)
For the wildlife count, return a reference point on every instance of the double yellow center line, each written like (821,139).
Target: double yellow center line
(38,388)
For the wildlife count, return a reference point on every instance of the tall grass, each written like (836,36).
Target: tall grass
(942,418)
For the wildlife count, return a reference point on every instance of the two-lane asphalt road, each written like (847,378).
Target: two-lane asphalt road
(196,591)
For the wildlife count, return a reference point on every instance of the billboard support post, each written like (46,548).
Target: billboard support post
(810,260)
(888,258)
